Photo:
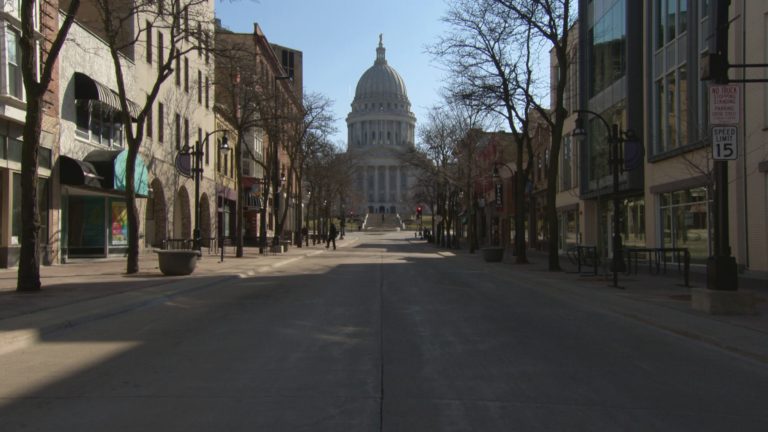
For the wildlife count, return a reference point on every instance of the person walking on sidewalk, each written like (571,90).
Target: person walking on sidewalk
(331,236)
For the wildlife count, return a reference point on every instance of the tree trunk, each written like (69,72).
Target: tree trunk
(29,255)
(133,214)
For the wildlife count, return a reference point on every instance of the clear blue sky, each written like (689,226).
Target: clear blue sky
(339,37)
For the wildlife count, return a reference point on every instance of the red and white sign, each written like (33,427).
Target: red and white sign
(724,104)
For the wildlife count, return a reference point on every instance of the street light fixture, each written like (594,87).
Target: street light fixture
(223,148)
(197,154)
(616,137)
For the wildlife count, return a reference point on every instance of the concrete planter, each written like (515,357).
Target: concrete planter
(177,262)
(492,254)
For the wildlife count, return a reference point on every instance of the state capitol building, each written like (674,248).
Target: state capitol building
(380,128)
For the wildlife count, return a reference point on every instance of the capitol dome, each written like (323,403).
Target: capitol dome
(380,128)
(381,83)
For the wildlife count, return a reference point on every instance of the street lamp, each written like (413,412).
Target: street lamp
(499,200)
(197,154)
(616,137)
(223,148)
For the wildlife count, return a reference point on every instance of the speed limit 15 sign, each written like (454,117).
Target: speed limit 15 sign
(724,145)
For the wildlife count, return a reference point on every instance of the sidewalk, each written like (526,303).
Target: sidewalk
(86,290)
(658,300)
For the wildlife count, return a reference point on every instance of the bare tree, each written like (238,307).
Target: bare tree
(303,131)
(489,60)
(35,87)
(551,22)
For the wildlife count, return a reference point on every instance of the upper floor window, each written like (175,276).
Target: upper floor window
(14,83)
(98,123)
(608,44)
(149,42)
(671,20)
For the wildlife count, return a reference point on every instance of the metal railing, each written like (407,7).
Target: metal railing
(657,260)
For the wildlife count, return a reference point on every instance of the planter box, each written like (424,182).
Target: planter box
(493,254)
(177,262)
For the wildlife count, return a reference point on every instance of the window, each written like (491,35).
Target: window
(160,49)
(607,42)
(199,39)
(149,42)
(186,132)
(178,71)
(200,87)
(16,212)
(186,74)
(98,123)
(149,125)
(207,92)
(177,129)
(82,116)
(671,20)
(160,7)
(186,23)
(207,147)
(160,122)
(207,43)
(15,85)
(685,219)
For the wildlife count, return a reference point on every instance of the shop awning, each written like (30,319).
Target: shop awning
(104,170)
(111,164)
(78,173)
(87,88)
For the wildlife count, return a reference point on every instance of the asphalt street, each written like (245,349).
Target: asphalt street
(387,334)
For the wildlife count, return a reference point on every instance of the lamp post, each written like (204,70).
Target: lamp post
(197,154)
(616,137)
(499,194)
(223,148)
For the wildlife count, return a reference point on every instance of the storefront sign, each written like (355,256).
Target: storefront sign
(119,228)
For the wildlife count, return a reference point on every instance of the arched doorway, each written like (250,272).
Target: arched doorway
(205,220)
(182,219)
(382,209)
(156,216)
(393,210)
(370,209)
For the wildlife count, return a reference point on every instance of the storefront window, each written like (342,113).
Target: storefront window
(685,221)
(569,228)
(43,200)
(16,212)
(633,227)
(85,226)
(118,233)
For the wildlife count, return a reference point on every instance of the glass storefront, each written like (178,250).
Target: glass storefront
(569,228)
(685,222)
(96,226)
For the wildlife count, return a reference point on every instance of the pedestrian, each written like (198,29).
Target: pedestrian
(305,235)
(331,236)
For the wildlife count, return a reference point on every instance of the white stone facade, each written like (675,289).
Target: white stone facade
(381,127)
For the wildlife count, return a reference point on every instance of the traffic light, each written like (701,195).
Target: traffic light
(418,212)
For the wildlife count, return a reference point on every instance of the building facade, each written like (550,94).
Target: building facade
(643,76)
(380,128)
